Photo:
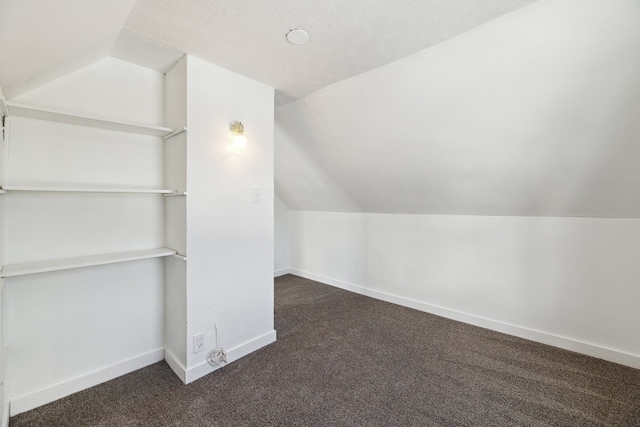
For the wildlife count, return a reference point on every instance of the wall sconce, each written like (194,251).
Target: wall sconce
(237,129)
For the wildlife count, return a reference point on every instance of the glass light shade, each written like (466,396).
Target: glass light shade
(239,141)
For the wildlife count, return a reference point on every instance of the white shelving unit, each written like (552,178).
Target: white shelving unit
(11,270)
(20,110)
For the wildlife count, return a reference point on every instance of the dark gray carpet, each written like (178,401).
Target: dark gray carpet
(346,360)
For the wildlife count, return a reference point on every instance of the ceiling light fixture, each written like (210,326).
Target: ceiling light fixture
(297,36)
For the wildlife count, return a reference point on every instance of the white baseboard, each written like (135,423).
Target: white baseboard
(233,354)
(577,346)
(281,272)
(46,395)
(175,365)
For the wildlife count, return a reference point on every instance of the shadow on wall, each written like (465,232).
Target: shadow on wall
(300,180)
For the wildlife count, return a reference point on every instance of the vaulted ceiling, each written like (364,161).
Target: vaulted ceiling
(44,39)
(534,114)
(418,107)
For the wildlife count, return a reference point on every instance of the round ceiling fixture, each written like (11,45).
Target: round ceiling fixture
(297,36)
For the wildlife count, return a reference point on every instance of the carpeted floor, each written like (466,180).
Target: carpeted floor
(342,359)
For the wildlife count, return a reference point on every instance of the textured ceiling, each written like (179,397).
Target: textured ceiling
(347,37)
(44,39)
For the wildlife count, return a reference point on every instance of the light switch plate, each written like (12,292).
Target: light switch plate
(256,195)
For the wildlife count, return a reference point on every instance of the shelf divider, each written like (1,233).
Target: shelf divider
(11,270)
(21,110)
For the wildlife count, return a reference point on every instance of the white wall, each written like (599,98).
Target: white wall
(497,141)
(568,282)
(4,403)
(281,238)
(533,114)
(229,238)
(72,329)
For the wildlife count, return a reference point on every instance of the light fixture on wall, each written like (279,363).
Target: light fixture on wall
(237,129)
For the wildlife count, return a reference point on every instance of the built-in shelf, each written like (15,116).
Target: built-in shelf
(87,190)
(11,270)
(81,120)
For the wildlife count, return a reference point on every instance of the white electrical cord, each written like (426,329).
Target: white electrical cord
(217,356)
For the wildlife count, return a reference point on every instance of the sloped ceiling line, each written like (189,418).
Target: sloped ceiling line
(536,116)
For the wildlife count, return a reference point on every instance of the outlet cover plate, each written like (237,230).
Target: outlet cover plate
(198,343)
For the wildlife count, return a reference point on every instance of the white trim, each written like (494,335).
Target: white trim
(566,343)
(281,272)
(176,366)
(49,394)
(233,354)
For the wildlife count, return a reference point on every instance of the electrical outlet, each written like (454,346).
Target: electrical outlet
(198,343)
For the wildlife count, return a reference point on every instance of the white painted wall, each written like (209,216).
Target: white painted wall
(570,282)
(72,329)
(229,239)
(496,141)
(533,114)
(4,403)
(281,238)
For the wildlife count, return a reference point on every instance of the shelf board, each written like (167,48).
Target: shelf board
(85,189)
(21,110)
(11,270)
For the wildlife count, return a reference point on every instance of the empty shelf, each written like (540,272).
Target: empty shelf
(11,270)
(85,189)
(75,119)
